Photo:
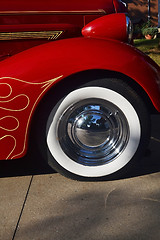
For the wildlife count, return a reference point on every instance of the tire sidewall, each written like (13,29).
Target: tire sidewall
(122,96)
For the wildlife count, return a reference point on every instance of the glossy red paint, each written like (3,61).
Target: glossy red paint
(32,15)
(26,77)
(66,57)
(38,69)
(10,47)
(112,26)
(119,6)
(17,103)
(50,5)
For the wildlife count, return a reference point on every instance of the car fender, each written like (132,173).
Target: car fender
(26,77)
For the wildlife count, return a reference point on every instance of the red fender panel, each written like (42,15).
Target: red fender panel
(26,77)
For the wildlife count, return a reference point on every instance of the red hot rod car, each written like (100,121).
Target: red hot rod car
(84,99)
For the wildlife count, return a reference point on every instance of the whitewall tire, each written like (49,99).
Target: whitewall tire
(95,131)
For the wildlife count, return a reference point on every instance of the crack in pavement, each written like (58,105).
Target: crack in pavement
(155,139)
(106,198)
(22,208)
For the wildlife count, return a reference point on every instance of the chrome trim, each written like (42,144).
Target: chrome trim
(86,12)
(129,28)
(50,35)
(93,132)
(124,3)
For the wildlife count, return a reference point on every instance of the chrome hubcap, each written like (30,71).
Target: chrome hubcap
(93,132)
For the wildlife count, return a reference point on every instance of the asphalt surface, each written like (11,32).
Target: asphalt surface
(38,204)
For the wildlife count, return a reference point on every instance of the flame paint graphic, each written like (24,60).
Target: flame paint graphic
(18,99)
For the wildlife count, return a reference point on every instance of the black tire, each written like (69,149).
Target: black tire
(99,130)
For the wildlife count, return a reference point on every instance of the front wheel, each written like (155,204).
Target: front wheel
(97,131)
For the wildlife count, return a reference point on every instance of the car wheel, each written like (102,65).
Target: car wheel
(97,130)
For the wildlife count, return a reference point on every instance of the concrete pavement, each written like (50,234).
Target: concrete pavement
(38,204)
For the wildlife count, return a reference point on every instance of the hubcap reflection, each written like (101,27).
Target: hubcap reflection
(93,132)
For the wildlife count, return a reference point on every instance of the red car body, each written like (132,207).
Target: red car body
(26,76)
(48,20)
(27,24)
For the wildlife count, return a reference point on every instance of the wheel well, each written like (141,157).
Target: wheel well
(80,78)
(69,83)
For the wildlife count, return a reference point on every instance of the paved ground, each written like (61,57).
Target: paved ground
(36,203)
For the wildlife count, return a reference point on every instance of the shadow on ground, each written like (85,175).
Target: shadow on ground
(23,167)
(30,165)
